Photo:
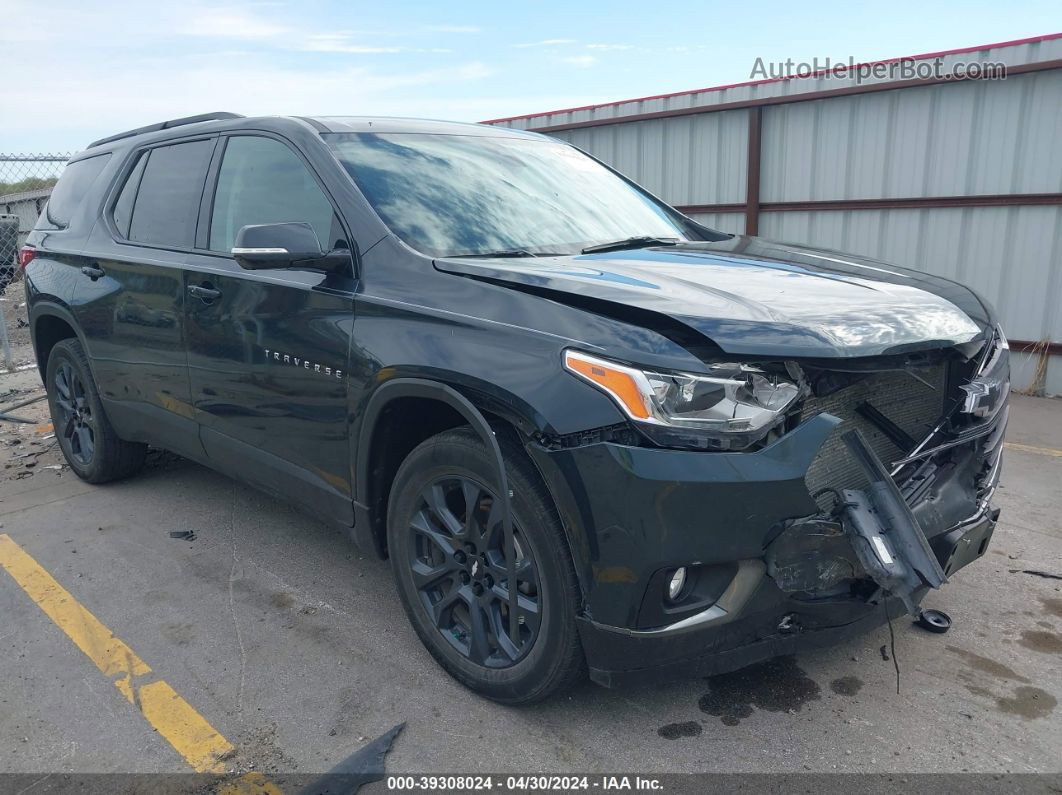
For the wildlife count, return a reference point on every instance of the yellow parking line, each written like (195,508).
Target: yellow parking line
(201,745)
(1028,448)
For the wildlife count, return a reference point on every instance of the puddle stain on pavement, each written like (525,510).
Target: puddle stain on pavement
(282,600)
(1052,606)
(1027,702)
(846,685)
(179,634)
(777,685)
(1042,641)
(987,665)
(674,731)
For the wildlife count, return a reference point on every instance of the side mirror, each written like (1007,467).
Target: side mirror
(286,245)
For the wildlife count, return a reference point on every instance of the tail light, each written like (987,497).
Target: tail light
(25,256)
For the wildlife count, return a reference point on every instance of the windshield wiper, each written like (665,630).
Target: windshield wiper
(505,252)
(632,242)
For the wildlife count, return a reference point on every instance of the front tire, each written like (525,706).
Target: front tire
(449,558)
(89,443)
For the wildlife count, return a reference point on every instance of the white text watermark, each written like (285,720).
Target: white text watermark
(900,69)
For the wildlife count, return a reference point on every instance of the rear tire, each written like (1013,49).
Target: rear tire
(89,443)
(450,566)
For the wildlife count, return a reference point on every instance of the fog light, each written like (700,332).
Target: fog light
(678,579)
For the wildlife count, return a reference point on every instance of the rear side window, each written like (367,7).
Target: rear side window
(75,182)
(262,181)
(123,208)
(167,203)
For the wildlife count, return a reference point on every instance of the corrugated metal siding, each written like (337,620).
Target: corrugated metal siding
(25,207)
(734,223)
(964,138)
(1023,370)
(943,140)
(691,160)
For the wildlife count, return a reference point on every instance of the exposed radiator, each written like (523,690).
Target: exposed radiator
(905,400)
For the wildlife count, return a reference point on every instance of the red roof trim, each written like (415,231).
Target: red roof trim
(923,56)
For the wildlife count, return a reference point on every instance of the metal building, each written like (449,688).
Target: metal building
(26,207)
(948,171)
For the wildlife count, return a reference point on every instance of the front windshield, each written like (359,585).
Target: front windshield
(447,195)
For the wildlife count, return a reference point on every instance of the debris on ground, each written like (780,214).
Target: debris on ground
(362,767)
(936,621)
(1037,573)
(27,443)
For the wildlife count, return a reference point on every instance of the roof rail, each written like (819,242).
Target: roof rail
(165,125)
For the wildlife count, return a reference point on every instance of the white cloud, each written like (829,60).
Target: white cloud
(339,42)
(582,61)
(151,90)
(239,22)
(610,46)
(230,22)
(242,22)
(342,43)
(548,43)
(30,23)
(495,106)
(452,29)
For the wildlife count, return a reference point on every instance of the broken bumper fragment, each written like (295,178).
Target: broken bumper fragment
(883,529)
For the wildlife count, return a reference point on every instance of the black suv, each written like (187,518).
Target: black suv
(588,432)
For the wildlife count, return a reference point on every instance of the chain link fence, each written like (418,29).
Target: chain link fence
(26,181)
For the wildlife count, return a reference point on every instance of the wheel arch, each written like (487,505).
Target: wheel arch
(50,323)
(440,407)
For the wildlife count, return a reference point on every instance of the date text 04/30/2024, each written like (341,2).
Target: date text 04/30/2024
(537,783)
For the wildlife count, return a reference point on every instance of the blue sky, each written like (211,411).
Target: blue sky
(77,71)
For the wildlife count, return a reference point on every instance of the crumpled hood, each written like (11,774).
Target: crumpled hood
(754,296)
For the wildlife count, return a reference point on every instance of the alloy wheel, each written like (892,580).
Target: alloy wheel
(76,425)
(460,571)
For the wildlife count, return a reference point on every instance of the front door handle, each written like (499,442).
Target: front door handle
(92,272)
(205,293)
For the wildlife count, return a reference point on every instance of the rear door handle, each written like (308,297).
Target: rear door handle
(206,293)
(92,272)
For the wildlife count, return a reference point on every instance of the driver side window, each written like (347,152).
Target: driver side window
(262,181)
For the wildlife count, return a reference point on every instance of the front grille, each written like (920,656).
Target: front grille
(914,406)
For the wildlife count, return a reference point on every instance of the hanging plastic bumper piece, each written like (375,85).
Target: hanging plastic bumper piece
(885,533)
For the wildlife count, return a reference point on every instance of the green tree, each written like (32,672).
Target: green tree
(29,183)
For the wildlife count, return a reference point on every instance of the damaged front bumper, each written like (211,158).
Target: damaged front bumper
(771,570)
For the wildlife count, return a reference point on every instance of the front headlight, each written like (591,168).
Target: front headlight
(731,408)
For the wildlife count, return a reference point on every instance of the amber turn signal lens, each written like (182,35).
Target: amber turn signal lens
(618,382)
